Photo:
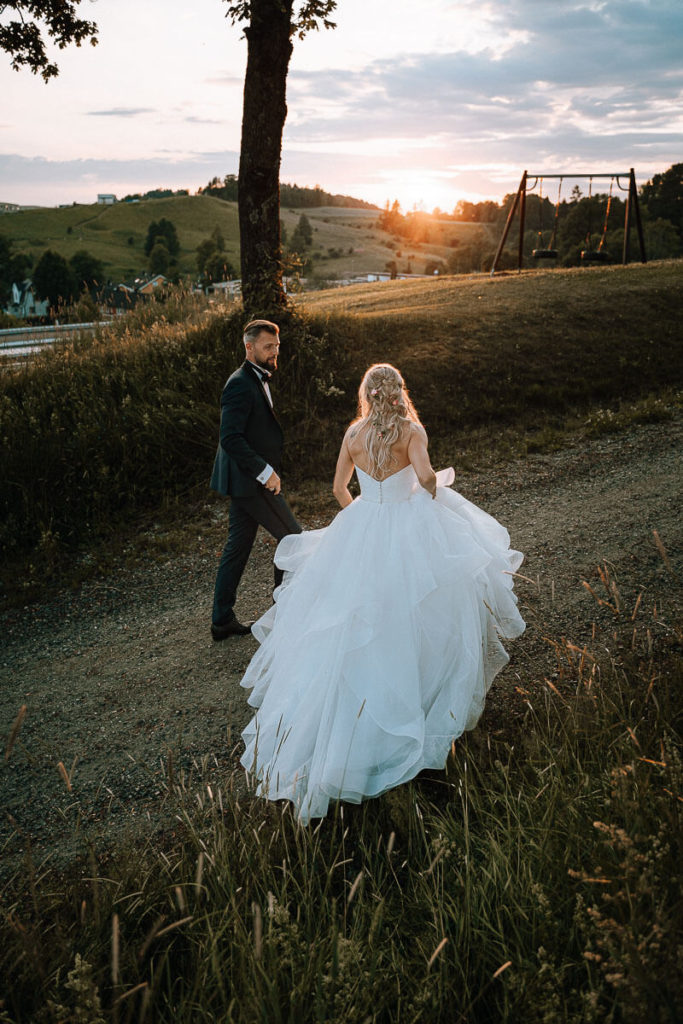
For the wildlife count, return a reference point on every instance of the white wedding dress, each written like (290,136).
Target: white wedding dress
(382,643)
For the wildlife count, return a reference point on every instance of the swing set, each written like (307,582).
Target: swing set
(593,251)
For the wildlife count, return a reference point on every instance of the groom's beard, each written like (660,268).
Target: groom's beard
(269,364)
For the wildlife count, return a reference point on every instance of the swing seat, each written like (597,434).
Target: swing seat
(595,256)
(544,254)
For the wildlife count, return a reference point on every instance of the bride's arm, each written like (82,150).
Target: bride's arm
(419,458)
(342,476)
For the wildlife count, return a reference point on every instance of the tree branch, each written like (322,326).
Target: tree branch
(36,21)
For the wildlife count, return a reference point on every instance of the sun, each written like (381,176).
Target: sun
(418,189)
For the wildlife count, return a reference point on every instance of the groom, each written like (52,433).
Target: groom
(247,467)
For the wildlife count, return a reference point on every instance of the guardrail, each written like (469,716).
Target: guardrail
(22,341)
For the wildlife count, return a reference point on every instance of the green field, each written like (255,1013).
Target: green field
(116,235)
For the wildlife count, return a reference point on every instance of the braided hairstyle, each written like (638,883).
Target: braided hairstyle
(383,407)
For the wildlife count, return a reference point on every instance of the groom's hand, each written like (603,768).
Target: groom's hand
(273,483)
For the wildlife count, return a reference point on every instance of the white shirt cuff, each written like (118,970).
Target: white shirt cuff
(264,475)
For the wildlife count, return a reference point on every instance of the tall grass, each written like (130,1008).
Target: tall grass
(537,880)
(129,420)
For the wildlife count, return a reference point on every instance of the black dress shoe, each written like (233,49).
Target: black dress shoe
(232,628)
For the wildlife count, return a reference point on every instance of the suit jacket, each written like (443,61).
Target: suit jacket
(250,436)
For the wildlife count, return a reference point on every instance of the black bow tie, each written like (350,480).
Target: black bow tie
(264,375)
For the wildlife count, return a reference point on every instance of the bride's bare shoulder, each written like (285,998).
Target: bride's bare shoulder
(416,430)
(354,429)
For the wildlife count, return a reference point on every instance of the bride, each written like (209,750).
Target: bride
(384,636)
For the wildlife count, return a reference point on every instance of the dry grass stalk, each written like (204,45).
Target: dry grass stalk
(199,874)
(14,732)
(131,991)
(115,949)
(258,930)
(636,606)
(606,604)
(554,689)
(657,764)
(176,924)
(662,550)
(435,861)
(437,951)
(65,775)
(503,967)
(354,888)
(520,576)
(151,935)
(633,736)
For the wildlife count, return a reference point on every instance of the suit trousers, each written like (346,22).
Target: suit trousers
(265,509)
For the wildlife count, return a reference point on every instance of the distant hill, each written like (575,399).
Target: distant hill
(116,234)
(347,240)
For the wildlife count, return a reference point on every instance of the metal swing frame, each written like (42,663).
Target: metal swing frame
(632,211)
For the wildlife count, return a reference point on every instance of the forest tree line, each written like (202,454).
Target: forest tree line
(290,195)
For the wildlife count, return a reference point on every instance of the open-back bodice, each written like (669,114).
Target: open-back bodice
(397,487)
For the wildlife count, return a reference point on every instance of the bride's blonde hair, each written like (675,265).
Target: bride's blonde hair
(383,407)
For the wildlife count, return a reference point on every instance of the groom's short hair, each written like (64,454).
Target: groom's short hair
(256,327)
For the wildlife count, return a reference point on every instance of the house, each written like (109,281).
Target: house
(228,289)
(106,199)
(24,303)
(148,286)
(118,299)
(143,285)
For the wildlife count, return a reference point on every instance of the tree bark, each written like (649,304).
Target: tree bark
(269,48)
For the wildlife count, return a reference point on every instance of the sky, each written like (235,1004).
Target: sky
(428,102)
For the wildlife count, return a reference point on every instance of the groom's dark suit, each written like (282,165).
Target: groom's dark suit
(250,440)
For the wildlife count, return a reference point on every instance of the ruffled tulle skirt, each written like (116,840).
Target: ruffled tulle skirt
(380,648)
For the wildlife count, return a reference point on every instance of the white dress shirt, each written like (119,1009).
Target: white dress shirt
(266,473)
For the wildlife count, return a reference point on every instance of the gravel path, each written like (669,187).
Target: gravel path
(119,674)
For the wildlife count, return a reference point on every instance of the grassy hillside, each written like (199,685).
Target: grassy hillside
(345,241)
(128,421)
(469,301)
(116,234)
(359,246)
(533,352)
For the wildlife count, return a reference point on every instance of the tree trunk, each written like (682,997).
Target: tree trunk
(265,110)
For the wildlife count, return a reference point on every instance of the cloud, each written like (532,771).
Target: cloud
(583,84)
(121,112)
(569,46)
